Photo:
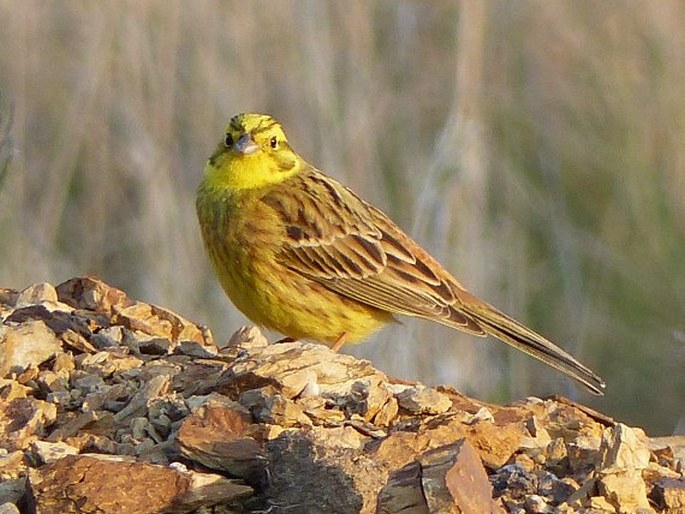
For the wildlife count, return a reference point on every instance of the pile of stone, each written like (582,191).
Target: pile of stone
(113,405)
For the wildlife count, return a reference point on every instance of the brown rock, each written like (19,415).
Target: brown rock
(30,343)
(209,490)
(37,293)
(24,420)
(12,465)
(45,452)
(556,452)
(496,444)
(83,483)
(157,386)
(669,495)
(454,481)
(671,448)
(387,413)
(403,493)
(268,406)
(421,399)
(566,421)
(623,449)
(599,505)
(318,431)
(401,447)
(626,491)
(158,321)
(216,435)
(584,453)
(290,367)
(11,389)
(91,294)
(75,341)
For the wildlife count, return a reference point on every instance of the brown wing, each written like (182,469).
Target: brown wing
(352,248)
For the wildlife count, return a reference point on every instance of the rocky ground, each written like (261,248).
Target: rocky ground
(112,405)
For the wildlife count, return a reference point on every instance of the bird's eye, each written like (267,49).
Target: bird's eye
(228,141)
(273,142)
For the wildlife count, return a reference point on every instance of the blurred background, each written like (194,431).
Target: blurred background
(536,148)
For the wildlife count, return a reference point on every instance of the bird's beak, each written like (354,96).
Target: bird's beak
(245,145)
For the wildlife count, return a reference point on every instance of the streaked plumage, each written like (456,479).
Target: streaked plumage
(300,253)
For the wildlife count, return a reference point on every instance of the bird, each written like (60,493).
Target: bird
(300,253)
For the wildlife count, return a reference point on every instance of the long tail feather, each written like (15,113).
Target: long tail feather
(517,335)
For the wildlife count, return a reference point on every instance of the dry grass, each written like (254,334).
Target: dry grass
(536,148)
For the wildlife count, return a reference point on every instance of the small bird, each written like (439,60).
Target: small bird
(299,253)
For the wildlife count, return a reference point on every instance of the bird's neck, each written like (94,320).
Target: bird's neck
(248,172)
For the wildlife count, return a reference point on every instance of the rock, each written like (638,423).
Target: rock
(536,504)
(599,505)
(45,452)
(158,321)
(448,479)
(217,435)
(453,480)
(23,421)
(387,413)
(197,350)
(268,406)
(87,483)
(156,387)
(584,453)
(9,508)
(623,449)
(555,490)
(403,493)
(29,344)
(514,482)
(247,337)
(12,464)
(12,490)
(421,399)
(291,366)
(331,478)
(626,491)
(91,294)
(496,443)
(37,293)
(669,495)
(136,393)
(670,450)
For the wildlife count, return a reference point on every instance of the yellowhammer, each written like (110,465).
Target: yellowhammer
(300,253)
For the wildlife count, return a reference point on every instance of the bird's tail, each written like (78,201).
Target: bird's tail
(512,332)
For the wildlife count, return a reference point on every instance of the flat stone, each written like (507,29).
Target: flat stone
(46,452)
(77,484)
(216,435)
(423,400)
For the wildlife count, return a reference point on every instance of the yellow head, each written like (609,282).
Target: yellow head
(254,153)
